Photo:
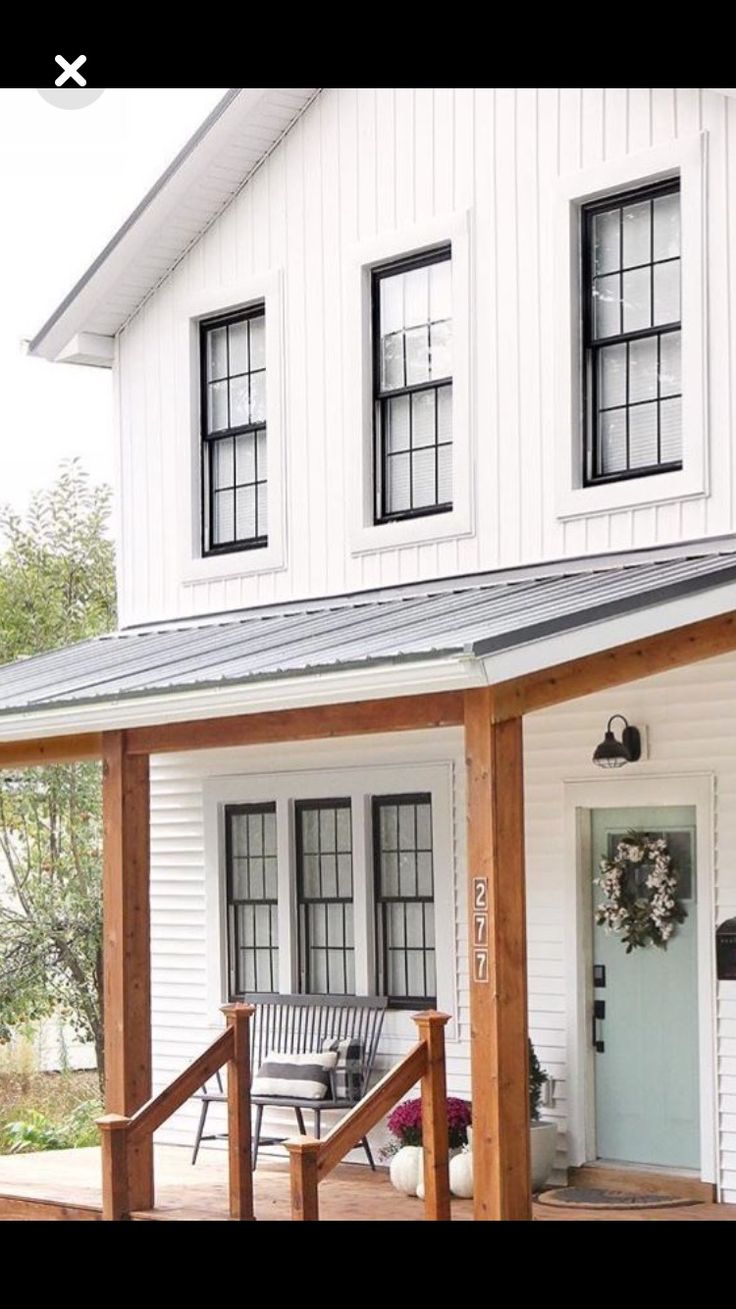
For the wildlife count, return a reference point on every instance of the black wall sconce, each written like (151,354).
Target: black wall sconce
(614,754)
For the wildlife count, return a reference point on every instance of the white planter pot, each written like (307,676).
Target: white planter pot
(406,1169)
(543,1137)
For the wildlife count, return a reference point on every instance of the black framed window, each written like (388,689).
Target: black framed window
(324,855)
(632,337)
(404,896)
(412,386)
(234,469)
(252,898)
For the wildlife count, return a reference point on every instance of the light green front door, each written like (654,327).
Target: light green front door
(646,1074)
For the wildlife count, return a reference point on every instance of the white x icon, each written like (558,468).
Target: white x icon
(70,70)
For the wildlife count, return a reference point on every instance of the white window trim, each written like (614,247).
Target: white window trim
(191,310)
(365,536)
(359,784)
(686,158)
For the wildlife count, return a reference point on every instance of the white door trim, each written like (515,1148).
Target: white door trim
(614,792)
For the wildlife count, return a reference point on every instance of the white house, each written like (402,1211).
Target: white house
(421,392)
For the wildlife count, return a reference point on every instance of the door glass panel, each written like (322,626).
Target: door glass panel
(680,847)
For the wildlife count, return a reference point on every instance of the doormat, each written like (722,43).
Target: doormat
(589,1197)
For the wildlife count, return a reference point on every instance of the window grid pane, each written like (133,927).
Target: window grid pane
(252,898)
(324,843)
(234,436)
(412,327)
(404,895)
(632,334)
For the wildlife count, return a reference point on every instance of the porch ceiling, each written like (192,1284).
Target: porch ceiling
(462,623)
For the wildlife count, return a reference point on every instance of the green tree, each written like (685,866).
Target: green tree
(57,586)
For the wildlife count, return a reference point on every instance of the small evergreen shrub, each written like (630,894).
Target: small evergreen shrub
(537,1079)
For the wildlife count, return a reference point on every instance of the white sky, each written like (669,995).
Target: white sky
(68,179)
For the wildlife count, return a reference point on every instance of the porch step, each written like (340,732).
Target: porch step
(642,1181)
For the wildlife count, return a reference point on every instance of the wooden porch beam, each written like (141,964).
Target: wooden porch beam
(608,668)
(127,948)
(498,985)
(319,722)
(54,750)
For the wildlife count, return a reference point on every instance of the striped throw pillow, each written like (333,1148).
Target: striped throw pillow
(348,1075)
(295,1076)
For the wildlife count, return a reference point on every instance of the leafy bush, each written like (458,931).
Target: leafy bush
(36,1131)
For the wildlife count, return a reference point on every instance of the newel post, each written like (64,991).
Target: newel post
(304,1163)
(435,1135)
(237,1017)
(115,1187)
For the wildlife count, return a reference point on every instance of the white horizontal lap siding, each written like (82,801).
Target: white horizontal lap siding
(690,717)
(182,1016)
(364,164)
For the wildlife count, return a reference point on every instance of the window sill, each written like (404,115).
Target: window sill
(629,493)
(424,528)
(234,563)
(410,1006)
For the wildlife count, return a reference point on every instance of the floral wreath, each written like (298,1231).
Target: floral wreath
(642,915)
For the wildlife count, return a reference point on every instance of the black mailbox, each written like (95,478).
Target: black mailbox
(726,951)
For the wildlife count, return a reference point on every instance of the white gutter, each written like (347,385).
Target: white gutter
(451,673)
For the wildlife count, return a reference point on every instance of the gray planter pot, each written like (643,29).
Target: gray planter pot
(543,1145)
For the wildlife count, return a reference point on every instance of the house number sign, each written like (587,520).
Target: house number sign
(480,929)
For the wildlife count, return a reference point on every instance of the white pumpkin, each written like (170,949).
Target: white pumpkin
(420,1184)
(461,1175)
(406,1169)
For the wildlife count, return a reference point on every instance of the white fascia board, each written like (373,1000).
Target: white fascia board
(127,246)
(452,673)
(89,348)
(606,635)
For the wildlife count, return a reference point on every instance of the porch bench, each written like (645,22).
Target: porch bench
(302,1024)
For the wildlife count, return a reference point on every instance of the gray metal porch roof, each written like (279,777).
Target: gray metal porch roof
(473,617)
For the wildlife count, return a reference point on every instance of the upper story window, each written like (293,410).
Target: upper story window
(233,366)
(412,386)
(631,334)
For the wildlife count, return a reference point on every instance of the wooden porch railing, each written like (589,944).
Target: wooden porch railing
(312,1160)
(120,1135)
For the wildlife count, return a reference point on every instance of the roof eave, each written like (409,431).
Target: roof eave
(69,318)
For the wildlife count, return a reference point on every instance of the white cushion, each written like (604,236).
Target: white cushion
(295,1076)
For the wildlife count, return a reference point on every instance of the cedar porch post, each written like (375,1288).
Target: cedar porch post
(127,947)
(498,991)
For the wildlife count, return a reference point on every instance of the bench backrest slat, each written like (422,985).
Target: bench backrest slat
(295,1024)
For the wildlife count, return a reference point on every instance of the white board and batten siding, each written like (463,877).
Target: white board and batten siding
(690,719)
(363,166)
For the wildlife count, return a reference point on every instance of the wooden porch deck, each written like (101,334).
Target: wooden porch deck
(65,1184)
